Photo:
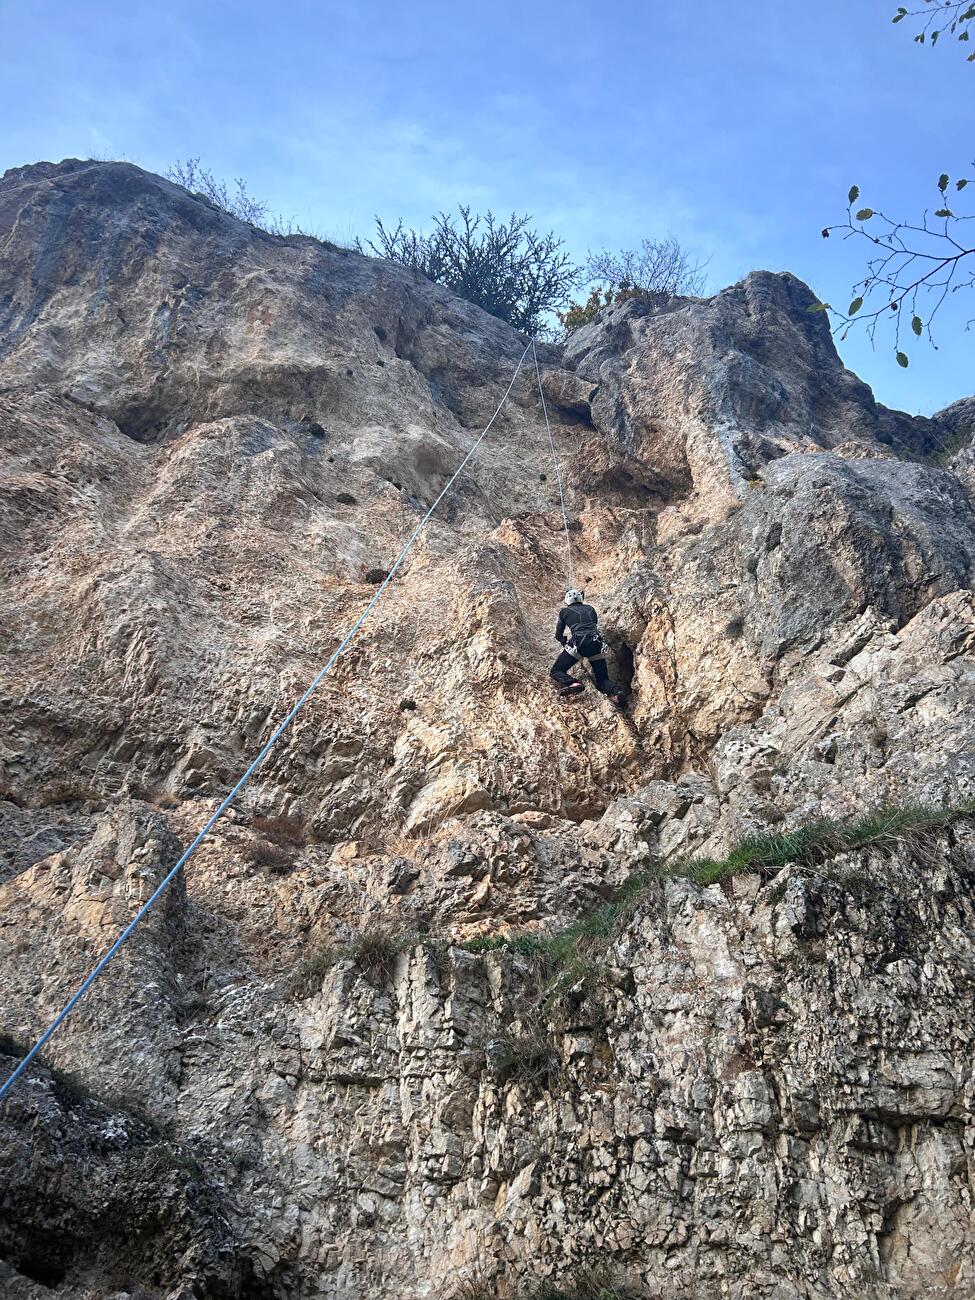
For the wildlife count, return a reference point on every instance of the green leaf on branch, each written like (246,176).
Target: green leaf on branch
(864,214)
(960,185)
(943,182)
(902,360)
(855,306)
(944,212)
(854,193)
(818,306)
(917,325)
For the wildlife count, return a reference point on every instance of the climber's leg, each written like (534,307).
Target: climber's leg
(560,669)
(601,673)
(604,682)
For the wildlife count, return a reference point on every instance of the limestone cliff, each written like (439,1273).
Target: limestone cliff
(214,442)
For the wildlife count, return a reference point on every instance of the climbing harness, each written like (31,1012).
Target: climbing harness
(590,645)
(76,997)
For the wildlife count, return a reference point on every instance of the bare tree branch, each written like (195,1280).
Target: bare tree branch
(237,201)
(657,266)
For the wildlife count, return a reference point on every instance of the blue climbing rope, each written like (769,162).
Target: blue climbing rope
(76,997)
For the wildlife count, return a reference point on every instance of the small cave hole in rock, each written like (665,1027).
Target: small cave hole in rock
(346,499)
(348,371)
(39,1262)
(380,361)
(380,333)
(407,706)
(398,487)
(331,460)
(734,627)
(252,1287)
(376,575)
(143,422)
(774,536)
(543,478)
(625,666)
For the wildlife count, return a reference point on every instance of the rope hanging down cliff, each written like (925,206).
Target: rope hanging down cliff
(73,1001)
(558,472)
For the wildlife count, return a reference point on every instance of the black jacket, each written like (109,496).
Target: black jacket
(575,618)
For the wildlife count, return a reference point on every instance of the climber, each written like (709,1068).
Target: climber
(578,631)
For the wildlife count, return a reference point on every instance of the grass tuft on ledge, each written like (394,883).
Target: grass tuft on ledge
(818,841)
(375,951)
(568,954)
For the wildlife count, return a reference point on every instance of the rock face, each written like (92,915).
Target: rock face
(214,444)
(766,1092)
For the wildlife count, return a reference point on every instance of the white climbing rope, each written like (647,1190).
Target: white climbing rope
(76,997)
(558,472)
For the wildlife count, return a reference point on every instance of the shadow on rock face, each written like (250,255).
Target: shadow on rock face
(145,421)
(96,1196)
(623,657)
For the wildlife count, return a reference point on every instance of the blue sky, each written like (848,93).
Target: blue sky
(736,127)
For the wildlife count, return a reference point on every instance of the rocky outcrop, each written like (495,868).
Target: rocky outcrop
(877,718)
(97,1202)
(716,388)
(215,442)
(959,417)
(194,557)
(763,1091)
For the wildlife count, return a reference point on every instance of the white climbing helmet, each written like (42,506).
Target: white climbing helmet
(574,597)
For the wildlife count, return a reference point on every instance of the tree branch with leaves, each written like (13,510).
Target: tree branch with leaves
(941,18)
(914,267)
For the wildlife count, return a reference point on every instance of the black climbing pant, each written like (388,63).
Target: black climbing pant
(567,660)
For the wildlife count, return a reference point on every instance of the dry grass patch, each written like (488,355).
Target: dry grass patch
(286,832)
(374,951)
(574,955)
